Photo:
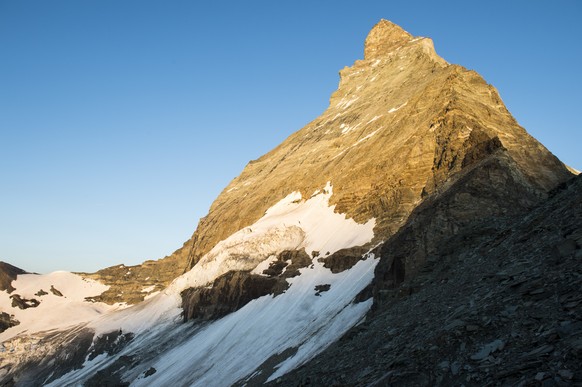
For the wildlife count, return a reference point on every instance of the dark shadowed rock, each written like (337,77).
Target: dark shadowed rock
(470,208)
(23,303)
(8,273)
(481,276)
(298,259)
(150,372)
(111,375)
(110,343)
(227,294)
(55,291)
(344,259)
(7,321)
(321,288)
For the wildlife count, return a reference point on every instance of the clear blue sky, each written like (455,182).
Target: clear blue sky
(121,121)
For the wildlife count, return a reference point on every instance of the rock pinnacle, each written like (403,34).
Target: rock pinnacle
(384,37)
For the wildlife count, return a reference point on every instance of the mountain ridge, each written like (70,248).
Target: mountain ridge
(447,89)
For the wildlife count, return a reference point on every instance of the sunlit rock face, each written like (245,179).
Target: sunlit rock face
(402,123)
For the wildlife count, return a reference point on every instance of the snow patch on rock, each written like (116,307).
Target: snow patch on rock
(148,289)
(394,109)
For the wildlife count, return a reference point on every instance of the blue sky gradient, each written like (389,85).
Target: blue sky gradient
(121,121)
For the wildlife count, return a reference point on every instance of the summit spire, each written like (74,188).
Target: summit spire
(384,37)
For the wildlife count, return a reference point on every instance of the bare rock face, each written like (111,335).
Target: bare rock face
(384,38)
(8,273)
(127,283)
(402,127)
(482,198)
(227,294)
(343,259)
(235,289)
(7,321)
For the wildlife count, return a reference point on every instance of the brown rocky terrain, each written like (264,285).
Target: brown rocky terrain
(401,125)
(127,282)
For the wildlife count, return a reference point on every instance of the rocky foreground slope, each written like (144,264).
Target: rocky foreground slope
(498,303)
(398,207)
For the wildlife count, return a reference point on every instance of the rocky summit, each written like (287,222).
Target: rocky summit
(413,234)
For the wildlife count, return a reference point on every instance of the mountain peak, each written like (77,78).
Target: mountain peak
(416,180)
(384,37)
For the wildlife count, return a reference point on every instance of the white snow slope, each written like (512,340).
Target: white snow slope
(53,312)
(300,322)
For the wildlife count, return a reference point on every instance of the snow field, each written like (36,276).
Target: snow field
(54,312)
(233,347)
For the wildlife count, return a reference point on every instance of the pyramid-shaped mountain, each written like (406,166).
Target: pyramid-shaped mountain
(414,160)
(401,125)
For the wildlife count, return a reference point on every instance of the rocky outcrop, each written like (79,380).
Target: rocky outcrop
(23,303)
(8,273)
(288,264)
(109,343)
(43,358)
(7,321)
(227,294)
(126,283)
(235,289)
(344,259)
(55,291)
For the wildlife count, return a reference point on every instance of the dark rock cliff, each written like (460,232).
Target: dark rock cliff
(465,300)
